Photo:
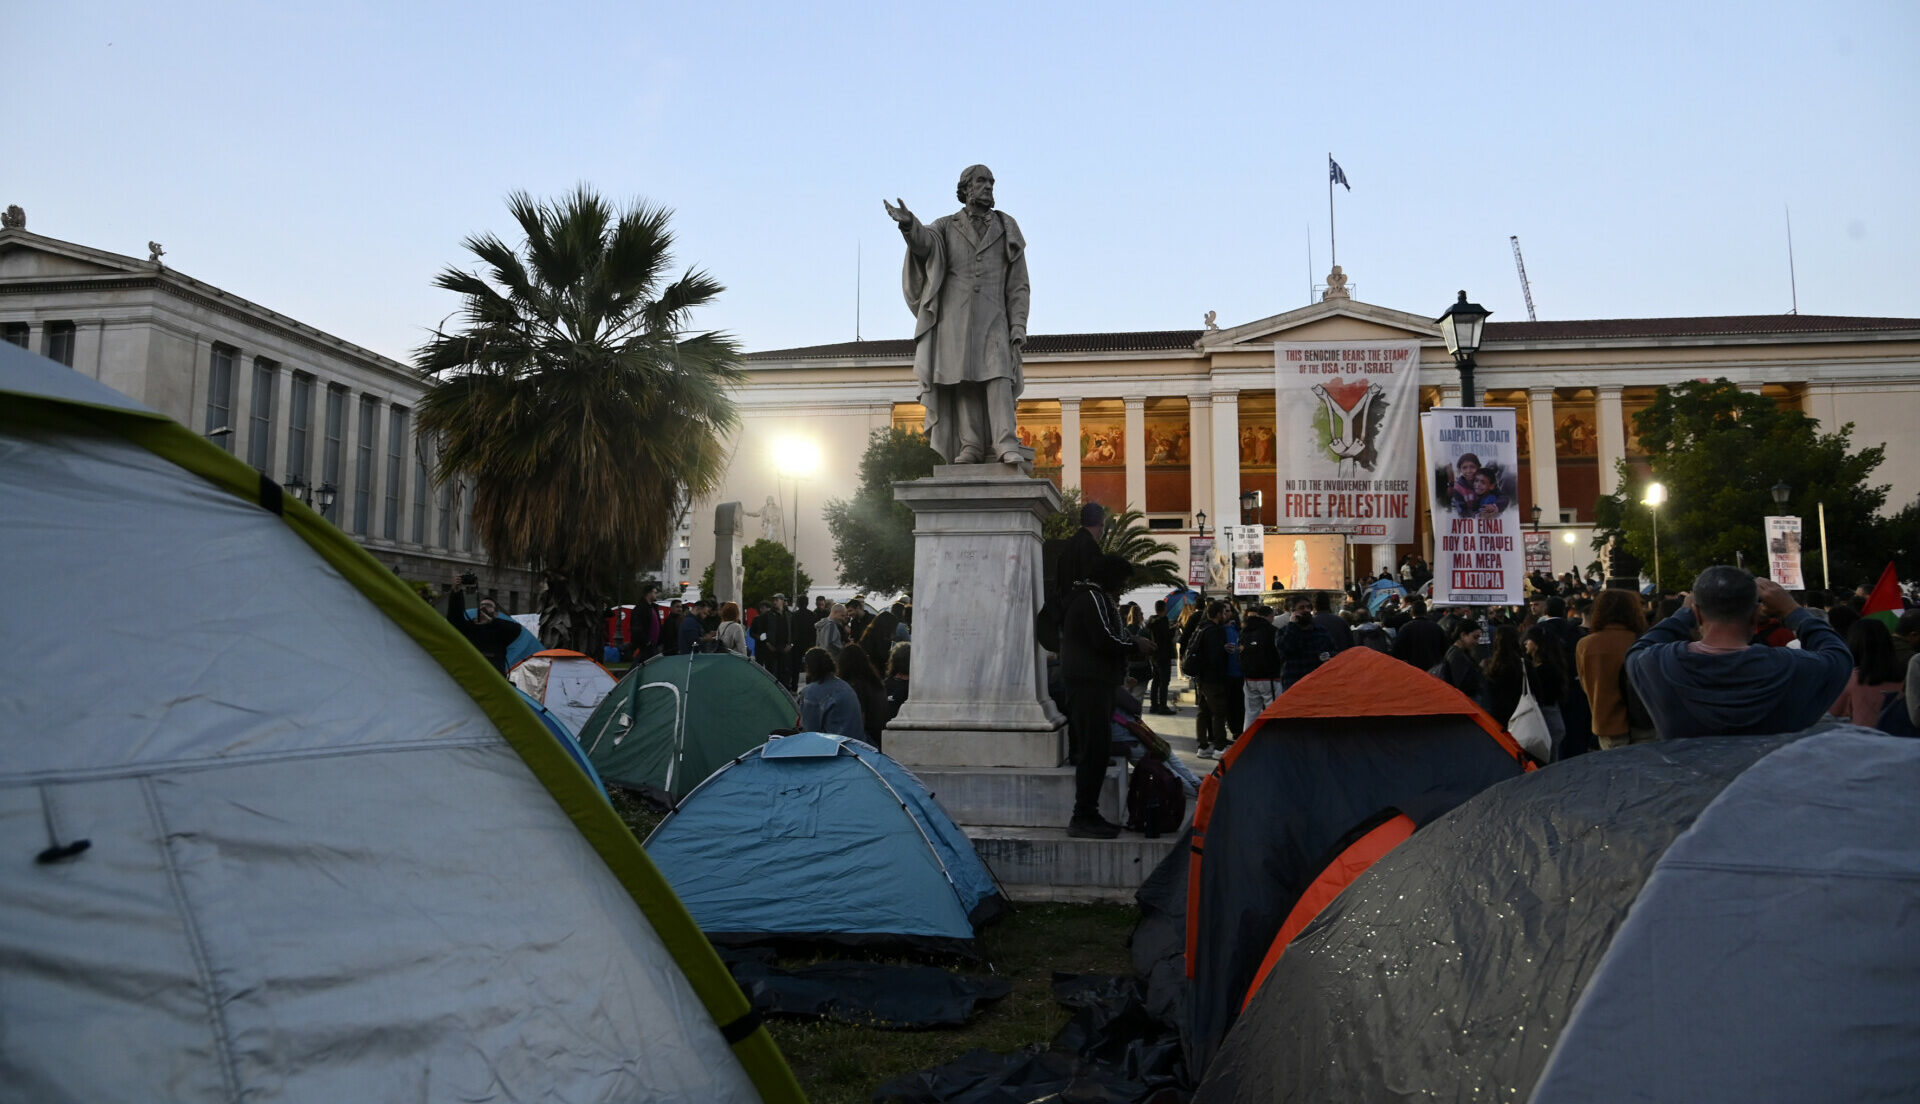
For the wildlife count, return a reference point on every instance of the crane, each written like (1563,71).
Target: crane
(1522,266)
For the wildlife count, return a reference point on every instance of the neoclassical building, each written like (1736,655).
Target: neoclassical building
(302,406)
(1180,422)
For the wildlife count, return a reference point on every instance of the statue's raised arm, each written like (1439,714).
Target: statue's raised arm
(966,282)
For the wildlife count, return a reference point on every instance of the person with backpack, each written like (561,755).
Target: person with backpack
(1160,631)
(1094,649)
(1259,661)
(1205,662)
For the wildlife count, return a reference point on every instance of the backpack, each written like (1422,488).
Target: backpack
(1155,744)
(1637,715)
(1190,664)
(1156,799)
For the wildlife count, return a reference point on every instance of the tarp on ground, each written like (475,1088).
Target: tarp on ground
(1722,918)
(676,719)
(307,844)
(815,837)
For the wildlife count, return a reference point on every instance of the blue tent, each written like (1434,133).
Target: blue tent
(560,733)
(818,837)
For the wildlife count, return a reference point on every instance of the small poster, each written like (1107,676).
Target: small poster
(1783,552)
(1539,553)
(1247,544)
(1473,459)
(1199,551)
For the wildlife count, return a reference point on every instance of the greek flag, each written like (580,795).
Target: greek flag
(1336,176)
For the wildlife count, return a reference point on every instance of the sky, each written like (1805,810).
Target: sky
(327,160)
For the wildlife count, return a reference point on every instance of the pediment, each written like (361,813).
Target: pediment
(28,256)
(1327,320)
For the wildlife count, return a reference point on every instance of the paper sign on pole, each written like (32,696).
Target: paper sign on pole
(1539,553)
(1345,421)
(1199,551)
(1474,461)
(1247,543)
(1783,552)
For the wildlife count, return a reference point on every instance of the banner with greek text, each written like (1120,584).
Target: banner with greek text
(1539,553)
(1344,413)
(1783,552)
(1247,543)
(1474,458)
(1199,550)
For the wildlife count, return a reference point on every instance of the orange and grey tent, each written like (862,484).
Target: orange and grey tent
(1363,740)
(1718,918)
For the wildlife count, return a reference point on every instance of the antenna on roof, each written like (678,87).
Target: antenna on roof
(1793,281)
(856,289)
(1309,264)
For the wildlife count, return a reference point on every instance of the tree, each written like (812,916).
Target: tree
(872,533)
(1719,451)
(766,568)
(572,396)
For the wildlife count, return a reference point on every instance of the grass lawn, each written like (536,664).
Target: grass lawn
(843,1064)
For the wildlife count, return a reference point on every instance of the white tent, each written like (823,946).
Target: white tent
(569,684)
(281,833)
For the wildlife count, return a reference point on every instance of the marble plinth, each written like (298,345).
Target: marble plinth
(979,680)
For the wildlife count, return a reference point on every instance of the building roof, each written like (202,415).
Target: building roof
(1497,333)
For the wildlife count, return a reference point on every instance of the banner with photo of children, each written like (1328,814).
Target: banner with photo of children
(1474,457)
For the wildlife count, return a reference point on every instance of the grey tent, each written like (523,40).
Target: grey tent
(283,833)
(1726,918)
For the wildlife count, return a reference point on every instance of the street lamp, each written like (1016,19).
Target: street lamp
(1460,328)
(1656,494)
(795,458)
(325,496)
(1781,492)
(1200,522)
(297,487)
(1536,517)
(1249,504)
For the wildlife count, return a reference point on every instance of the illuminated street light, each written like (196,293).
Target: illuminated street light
(1656,494)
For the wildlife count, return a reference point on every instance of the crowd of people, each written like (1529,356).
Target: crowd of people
(1605,667)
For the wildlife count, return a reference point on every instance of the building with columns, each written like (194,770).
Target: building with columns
(303,407)
(1176,422)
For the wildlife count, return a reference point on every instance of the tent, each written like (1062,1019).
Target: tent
(1720,918)
(821,838)
(566,682)
(565,739)
(674,720)
(309,846)
(1365,735)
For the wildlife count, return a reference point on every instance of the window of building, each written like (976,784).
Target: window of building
(420,490)
(369,430)
(466,516)
(299,426)
(220,396)
(396,440)
(59,342)
(333,454)
(19,333)
(266,375)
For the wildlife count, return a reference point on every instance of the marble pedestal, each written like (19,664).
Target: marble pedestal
(979,681)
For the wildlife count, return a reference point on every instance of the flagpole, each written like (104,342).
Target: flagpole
(1333,240)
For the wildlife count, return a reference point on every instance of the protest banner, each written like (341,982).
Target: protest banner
(1539,552)
(1783,552)
(1474,458)
(1344,414)
(1247,545)
(1199,551)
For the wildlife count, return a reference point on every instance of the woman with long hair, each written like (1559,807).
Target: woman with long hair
(1875,680)
(1547,677)
(898,662)
(732,635)
(1600,656)
(827,703)
(858,672)
(1503,670)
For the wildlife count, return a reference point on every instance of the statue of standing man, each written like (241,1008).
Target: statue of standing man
(966,283)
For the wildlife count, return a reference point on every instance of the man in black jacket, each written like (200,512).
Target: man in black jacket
(1160,631)
(1094,648)
(486,630)
(1212,684)
(1259,662)
(1303,645)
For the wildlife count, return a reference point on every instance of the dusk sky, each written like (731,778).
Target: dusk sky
(326,160)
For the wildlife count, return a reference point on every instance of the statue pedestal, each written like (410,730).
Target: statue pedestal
(979,696)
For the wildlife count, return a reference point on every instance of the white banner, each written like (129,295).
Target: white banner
(1248,546)
(1474,459)
(1345,411)
(1783,552)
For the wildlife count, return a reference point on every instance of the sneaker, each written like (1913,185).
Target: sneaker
(1093,826)
(1206,753)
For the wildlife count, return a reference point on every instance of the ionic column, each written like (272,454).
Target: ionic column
(1226,458)
(1545,453)
(1613,437)
(1199,451)
(1135,447)
(1069,443)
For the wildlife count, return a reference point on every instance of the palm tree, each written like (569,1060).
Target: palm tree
(572,397)
(1127,535)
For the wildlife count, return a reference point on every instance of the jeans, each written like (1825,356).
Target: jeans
(1259,693)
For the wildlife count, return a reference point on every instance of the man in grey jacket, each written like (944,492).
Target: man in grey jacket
(1724,684)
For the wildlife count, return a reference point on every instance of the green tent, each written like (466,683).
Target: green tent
(674,720)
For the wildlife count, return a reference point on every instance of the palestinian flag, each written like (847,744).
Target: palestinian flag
(1885,604)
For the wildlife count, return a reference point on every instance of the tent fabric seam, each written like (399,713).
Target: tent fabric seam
(1794,871)
(549,764)
(195,766)
(196,946)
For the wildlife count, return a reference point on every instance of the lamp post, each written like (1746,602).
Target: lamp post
(1536,517)
(795,458)
(1460,328)
(297,488)
(1656,494)
(325,496)
(1249,504)
(1200,523)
